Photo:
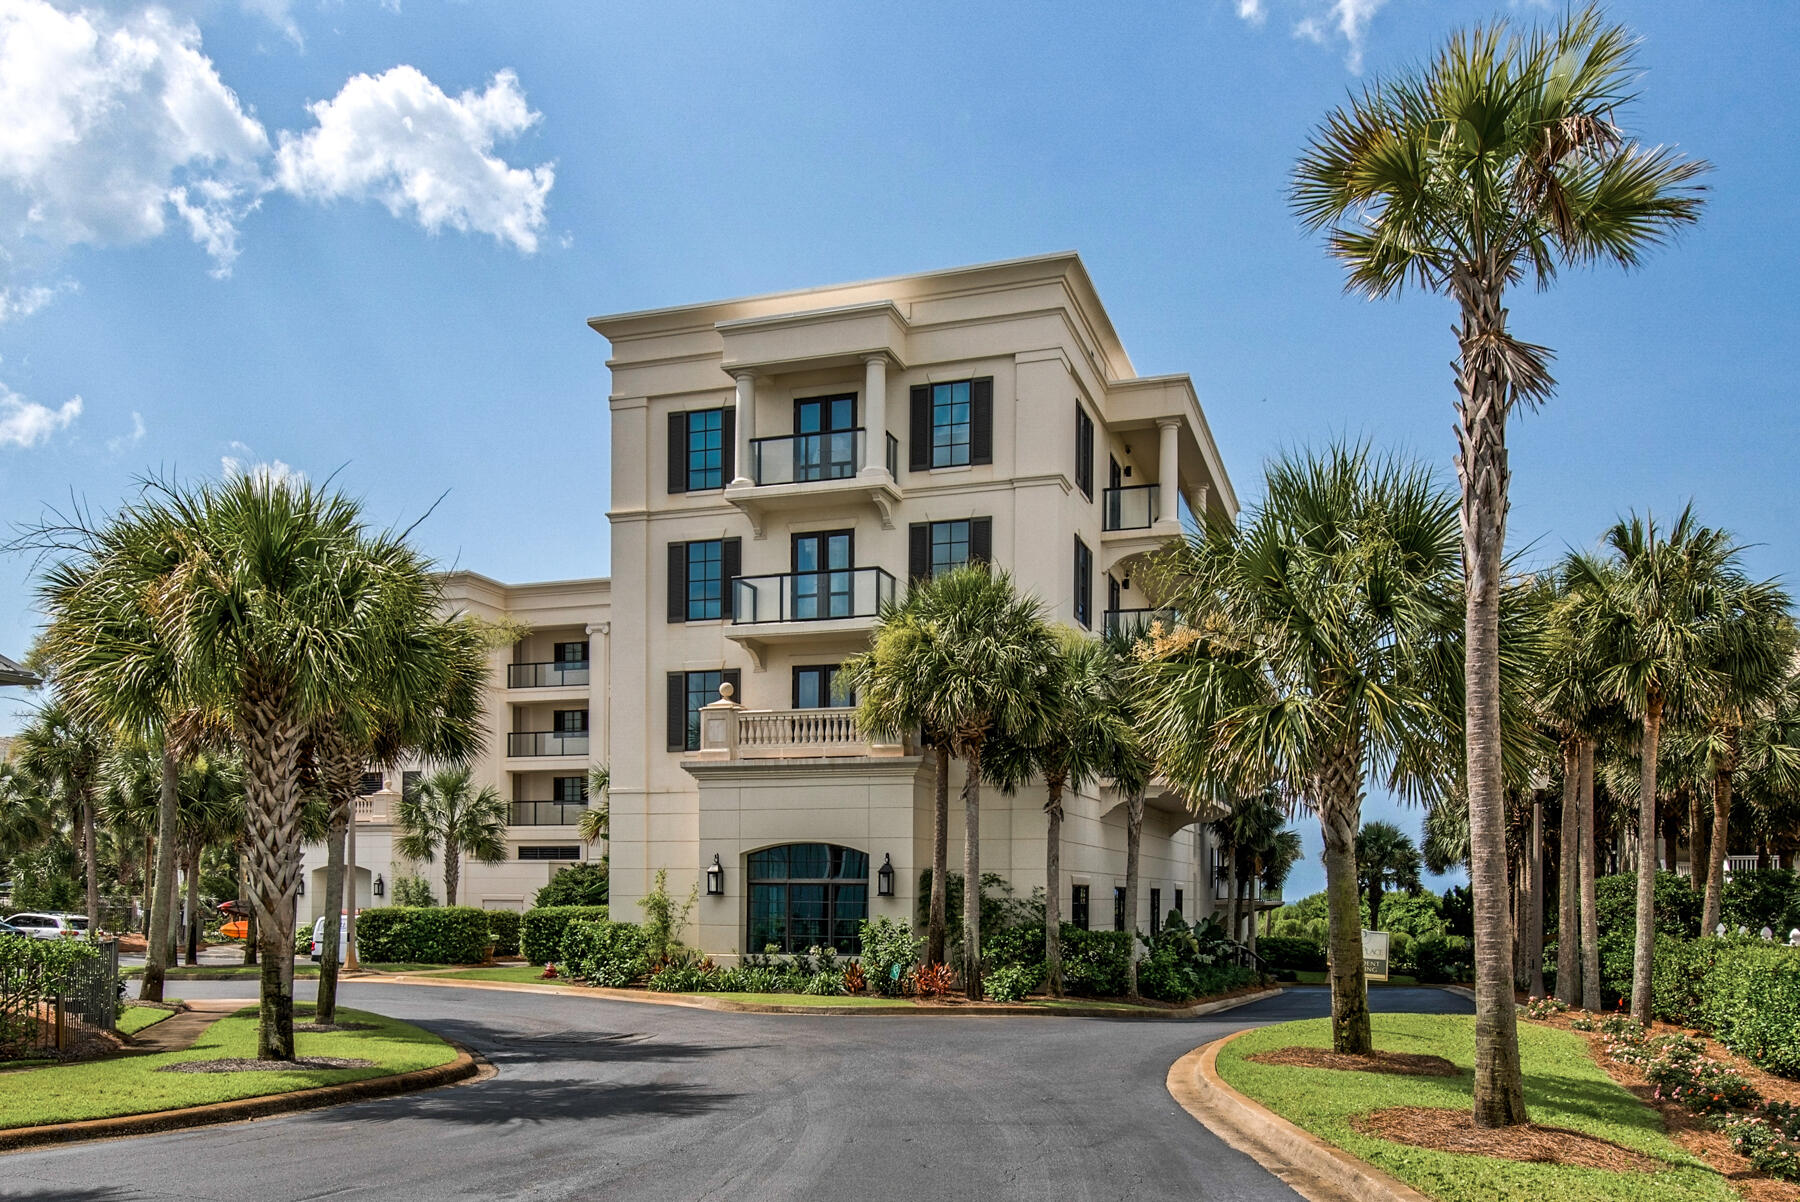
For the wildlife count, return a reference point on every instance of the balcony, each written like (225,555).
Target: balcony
(729,732)
(805,471)
(1133,622)
(795,606)
(561,674)
(1134,508)
(547,813)
(524,743)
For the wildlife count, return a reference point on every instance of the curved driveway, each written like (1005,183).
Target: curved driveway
(598,1099)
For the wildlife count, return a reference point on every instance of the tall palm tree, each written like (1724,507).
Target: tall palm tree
(596,821)
(65,750)
(1256,846)
(25,817)
(1386,859)
(1495,164)
(1318,645)
(446,812)
(1666,614)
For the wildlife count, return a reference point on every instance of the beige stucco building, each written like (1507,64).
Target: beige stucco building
(780,466)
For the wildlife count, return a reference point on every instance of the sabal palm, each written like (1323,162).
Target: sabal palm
(1666,615)
(446,812)
(1252,838)
(1497,163)
(1386,859)
(1318,646)
(594,823)
(25,818)
(64,750)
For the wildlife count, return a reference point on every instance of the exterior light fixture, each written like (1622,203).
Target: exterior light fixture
(884,879)
(715,877)
(300,887)
(380,885)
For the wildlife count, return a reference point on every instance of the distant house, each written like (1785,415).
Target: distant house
(14,673)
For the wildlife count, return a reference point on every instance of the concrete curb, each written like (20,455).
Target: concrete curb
(1462,991)
(465,1066)
(691,1002)
(1315,1169)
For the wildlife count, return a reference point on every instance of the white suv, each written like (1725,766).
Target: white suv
(50,926)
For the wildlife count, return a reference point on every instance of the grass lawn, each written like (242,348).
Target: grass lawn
(533,974)
(1563,1088)
(1309,976)
(133,1018)
(131,1084)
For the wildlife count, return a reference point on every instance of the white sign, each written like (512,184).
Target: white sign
(1375,955)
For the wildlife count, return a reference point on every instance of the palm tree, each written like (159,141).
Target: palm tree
(596,820)
(1317,646)
(1257,850)
(1497,163)
(25,817)
(65,751)
(1284,851)
(447,812)
(1386,858)
(1666,616)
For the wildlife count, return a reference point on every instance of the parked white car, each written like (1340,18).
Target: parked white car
(50,926)
(318,937)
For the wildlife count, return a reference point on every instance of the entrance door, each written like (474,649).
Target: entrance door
(822,577)
(825,438)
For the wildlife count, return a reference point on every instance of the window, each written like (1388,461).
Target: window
(825,437)
(1155,912)
(824,575)
(1084,452)
(571,653)
(409,783)
(563,852)
(1118,907)
(952,424)
(700,449)
(688,693)
(700,575)
(371,783)
(569,722)
(1084,583)
(569,789)
(807,895)
(1178,909)
(816,688)
(1078,906)
(938,547)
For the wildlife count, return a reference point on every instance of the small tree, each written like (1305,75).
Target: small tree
(1386,859)
(447,812)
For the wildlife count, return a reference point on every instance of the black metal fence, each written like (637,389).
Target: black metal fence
(45,991)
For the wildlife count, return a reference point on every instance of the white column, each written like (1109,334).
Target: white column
(746,427)
(874,456)
(1168,471)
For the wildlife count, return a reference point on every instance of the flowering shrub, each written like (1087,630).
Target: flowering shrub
(1583,1022)
(1622,1026)
(1701,1085)
(1544,1007)
(1768,1137)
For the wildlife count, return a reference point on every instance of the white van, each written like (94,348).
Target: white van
(318,938)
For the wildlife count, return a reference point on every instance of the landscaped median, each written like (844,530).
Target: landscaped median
(368,1055)
(1404,1122)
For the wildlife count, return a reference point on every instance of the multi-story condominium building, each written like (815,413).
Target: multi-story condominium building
(782,465)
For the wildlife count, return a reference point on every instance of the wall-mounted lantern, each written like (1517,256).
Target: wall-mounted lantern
(380,885)
(884,879)
(300,887)
(715,877)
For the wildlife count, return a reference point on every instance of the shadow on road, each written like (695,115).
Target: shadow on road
(561,1047)
(538,1101)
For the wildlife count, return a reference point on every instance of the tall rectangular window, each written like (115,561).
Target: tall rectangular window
(1155,913)
(1084,583)
(697,451)
(1078,906)
(1084,452)
(705,580)
(938,547)
(1178,908)
(950,424)
(1118,907)
(371,783)
(816,687)
(949,546)
(570,722)
(569,789)
(689,692)
(571,653)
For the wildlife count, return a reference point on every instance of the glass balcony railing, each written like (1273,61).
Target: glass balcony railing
(810,596)
(547,675)
(1133,508)
(547,813)
(1133,622)
(546,742)
(800,458)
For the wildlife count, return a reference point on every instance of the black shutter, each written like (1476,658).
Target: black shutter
(918,450)
(1084,452)
(677,452)
(981,540)
(731,563)
(677,582)
(918,551)
(678,711)
(981,421)
(728,432)
(735,679)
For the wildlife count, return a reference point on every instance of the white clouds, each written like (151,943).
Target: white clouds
(26,423)
(110,118)
(1324,19)
(1251,11)
(138,430)
(397,138)
(275,471)
(24,301)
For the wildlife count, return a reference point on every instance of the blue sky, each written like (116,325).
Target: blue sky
(365,236)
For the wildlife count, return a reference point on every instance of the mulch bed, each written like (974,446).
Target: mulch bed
(246,1065)
(1455,1131)
(1693,1132)
(323,1028)
(1410,1064)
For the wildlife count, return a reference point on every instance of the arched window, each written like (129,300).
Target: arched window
(807,895)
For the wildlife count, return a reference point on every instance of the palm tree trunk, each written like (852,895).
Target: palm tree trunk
(1521,889)
(245,909)
(351,963)
(1340,806)
(1590,909)
(452,868)
(1231,894)
(940,858)
(325,1007)
(156,948)
(1697,844)
(1053,813)
(1713,907)
(149,894)
(193,904)
(972,874)
(1134,845)
(1482,468)
(1644,953)
(90,850)
(270,741)
(1534,905)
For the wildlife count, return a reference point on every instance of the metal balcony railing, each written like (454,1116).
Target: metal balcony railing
(546,742)
(1133,508)
(800,458)
(546,675)
(1136,621)
(810,596)
(547,813)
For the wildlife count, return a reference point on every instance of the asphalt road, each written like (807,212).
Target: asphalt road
(604,1100)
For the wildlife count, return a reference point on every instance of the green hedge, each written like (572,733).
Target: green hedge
(1746,992)
(1093,961)
(613,954)
(1758,899)
(541,931)
(581,884)
(1289,954)
(1441,959)
(503,928)
(423,934)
